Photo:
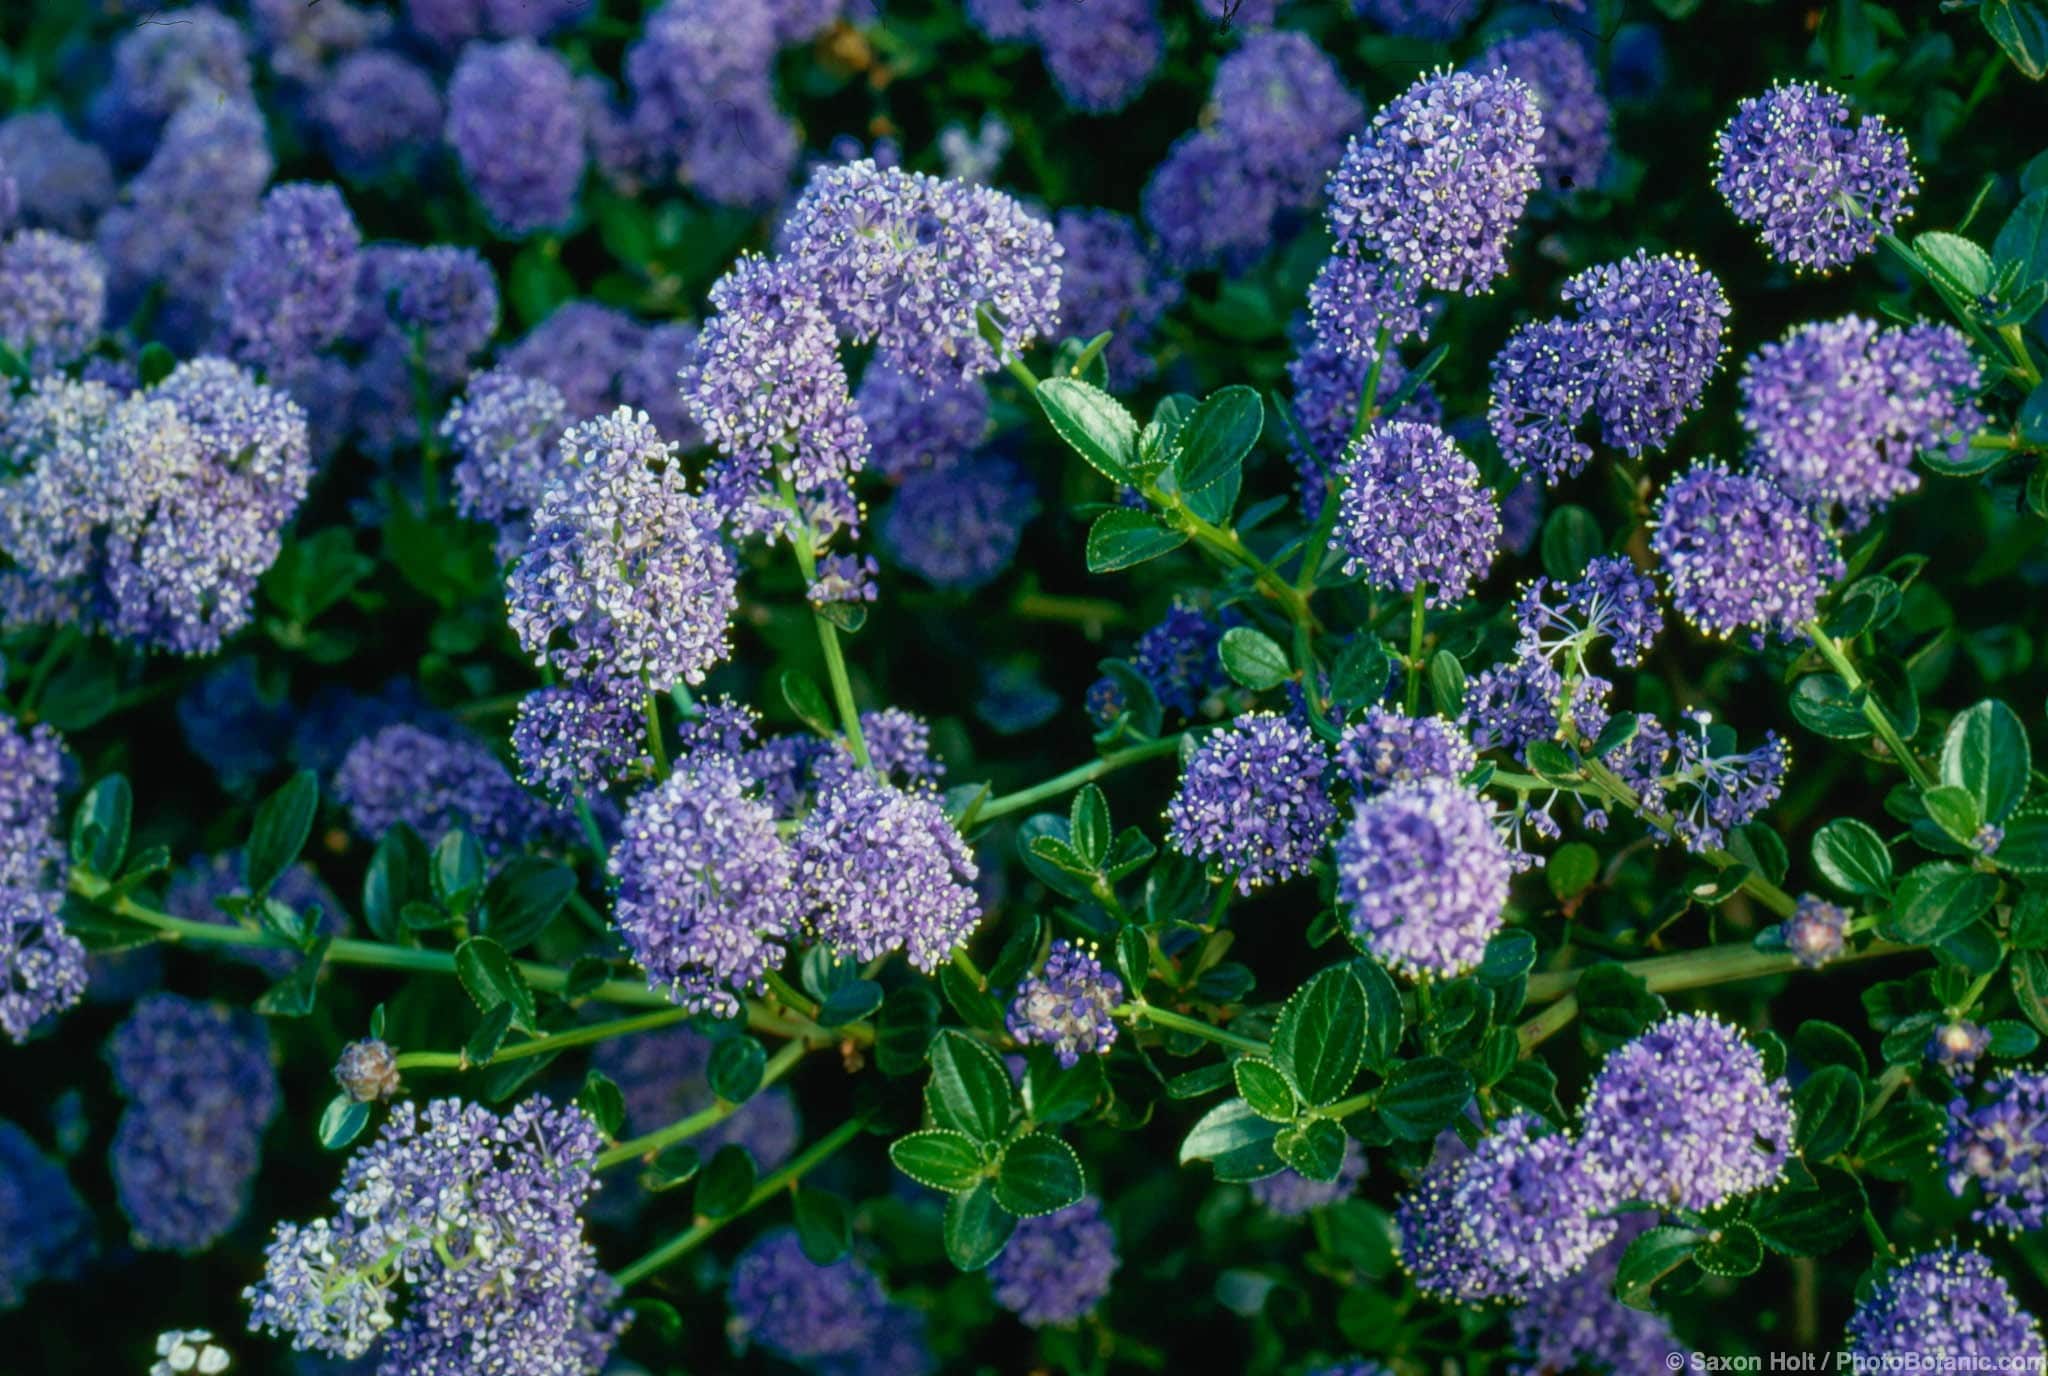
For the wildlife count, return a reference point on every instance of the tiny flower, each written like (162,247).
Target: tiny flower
(2003,1147)
(367,1070)
(1414,513)
(1573,149)
(1384,748)
(1814,934)
(1066,1005)
(960,527)
(1056,1267)
(1611,600)
(1738,552)
(1577,1324)
(188,1350)
(881,869)
(1956,1046)
(1424,876)
(1929,1310)
(1252,803)
(1817,186)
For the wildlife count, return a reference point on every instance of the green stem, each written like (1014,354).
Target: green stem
(540,1046)
(2016,344)
(1369,393)
(1017,368)
(790,994)
(1077,776)
(1873,711)
(1728,963)
(1136,1013)
(32,693)
(650,1144)
(828,634)
(1763,890)
(1418,617)
(657,746)
(771,1185)
(1547,1024)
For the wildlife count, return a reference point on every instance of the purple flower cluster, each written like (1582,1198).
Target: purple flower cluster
(376,113)
(1431,19)
(1645,343)
(1109,281)
(505,433)
(1839,409)
(1290,1194)
(45,1231)
(1814,934)
(200,1090)
(1177,658)
(290,286)
(1099,54)
(830,1319)
(958,528)
(2003,1146)
(881,869)
(1511,705)
(1577,1324)
(1414,514)
(1573,148)
(436,784)
(914,425)
(768,390)
(662,1077)
(1737,551)
(160,69)
(1057,1267)
(1354,300)
(1957,1045)
(477,1218)
(706,886)
(1504,1221)
(1282,113)
(1438,180)
(625,585)
(1425,877)
(53,295)
(1817,185)
(1328,380)
(1253,804)
(1383,749)
(42,965)
(1944,1308)
(1685,1116)
(173,231)
(61,182)
(913,265)
(516,124)
(150,516)
(1066,1005)
(1611,600)
(1708,787)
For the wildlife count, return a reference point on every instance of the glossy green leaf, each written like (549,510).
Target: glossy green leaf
(1217,438)
(1039,1174)
(279,831)
(1319,1038)
(1093,423)
(725,1182)
(970,1088)
(1423,1097)
(976,1227)
(1254,658)
(1265,1089)
(490,977)
(824,1225)
(939,1158)
(1123,537)
(1986,752)
(1853,857)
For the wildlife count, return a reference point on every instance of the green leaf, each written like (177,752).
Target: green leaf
(977,1227)
(1265,1089)
(1615,1003)
(904,1029)
(1447,683)
(1361,672)
(1571,540)
(1652,1257)
(1218,436)
(1830,1105)
(1055,1094)
(975,1005)
(824,1225)
(2023,242)
(673,1166)
(601,1099)
(293,996)
(1733,1249)
(1823,704)
(1088,827)
(1900,1142)
(2011,1039)
(1509,955)
(490,977)
(2021,28)
(939,1158)
(155,363)
(1939,899)
(1853,857)
(1319,1038)
(2030,986)
(1986,753)
(1822,1043)
(1571,869)
(1123,537)
(99,828)
(491,1030)
(456,872)
(1254,658)
(342,1121)
(1313,1149)
(523,897)
(1423,1096)
(1039,1174)
(1954,262)
(737,1064)
(1230,1134)
(396,877)
(1954,809)
(807,700)
(2025,847)
(1385,1021)
(849,1003)
(725,1182)
(1093,423)
(279,831)
(1810,1217)
(970,1089)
